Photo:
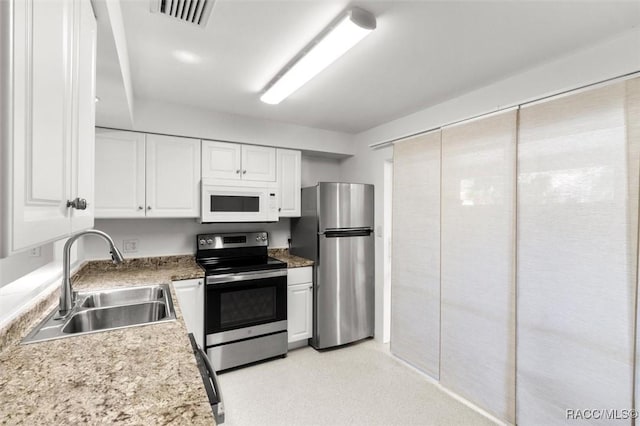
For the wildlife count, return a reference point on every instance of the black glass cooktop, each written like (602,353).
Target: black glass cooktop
(214,266)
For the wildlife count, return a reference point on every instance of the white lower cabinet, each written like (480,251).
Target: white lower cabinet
(299,303)
(190,295)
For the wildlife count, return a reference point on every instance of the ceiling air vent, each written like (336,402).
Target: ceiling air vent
(195,12)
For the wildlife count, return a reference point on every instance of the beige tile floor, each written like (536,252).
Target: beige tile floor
(360,384)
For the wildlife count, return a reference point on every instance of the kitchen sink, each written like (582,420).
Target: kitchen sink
(115,317)
(110,309)
(121,296)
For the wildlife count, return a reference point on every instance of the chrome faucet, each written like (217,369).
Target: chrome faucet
(66,292)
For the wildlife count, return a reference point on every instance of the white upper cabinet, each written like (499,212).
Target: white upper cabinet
(47,88)
(139,175)
(83,164)
(224,160)
(173,176)
(221,160)
(120,174)
(258,163)
(289,181)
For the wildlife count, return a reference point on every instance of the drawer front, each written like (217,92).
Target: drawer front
(299,275)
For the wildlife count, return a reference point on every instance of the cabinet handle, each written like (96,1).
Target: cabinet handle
(244,172)
(78,204)
(148,207)
(238,171)
(279,209)
(140,207)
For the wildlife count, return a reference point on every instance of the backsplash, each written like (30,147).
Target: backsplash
(165,237)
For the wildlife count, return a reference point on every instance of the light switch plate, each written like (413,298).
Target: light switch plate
(130,246)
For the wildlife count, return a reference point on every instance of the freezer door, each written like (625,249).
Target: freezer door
(344,290)
(345,205)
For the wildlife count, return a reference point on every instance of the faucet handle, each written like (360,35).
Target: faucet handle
(116,256)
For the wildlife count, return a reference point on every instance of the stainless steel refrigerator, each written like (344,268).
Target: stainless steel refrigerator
(336,232)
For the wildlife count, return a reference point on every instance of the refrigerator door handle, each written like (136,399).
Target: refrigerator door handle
(347,232)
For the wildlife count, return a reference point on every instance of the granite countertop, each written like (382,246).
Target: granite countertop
(138,375)
(292,261)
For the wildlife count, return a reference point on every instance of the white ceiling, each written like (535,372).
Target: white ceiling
(422,53)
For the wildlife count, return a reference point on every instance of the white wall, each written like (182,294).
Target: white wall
(20,264)
(319,169)
(164,237)
(609,59)
(25,278)
(182,120)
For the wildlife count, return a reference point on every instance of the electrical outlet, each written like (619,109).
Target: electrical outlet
(34,252)
(130,246)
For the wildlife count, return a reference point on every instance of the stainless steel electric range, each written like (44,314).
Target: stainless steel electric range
(245,299)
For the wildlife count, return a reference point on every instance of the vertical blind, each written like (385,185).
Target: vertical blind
(577,255)
(515,256)
(478,262)
(415,292)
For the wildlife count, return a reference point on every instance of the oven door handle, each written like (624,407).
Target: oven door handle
(210,381)
(244,276)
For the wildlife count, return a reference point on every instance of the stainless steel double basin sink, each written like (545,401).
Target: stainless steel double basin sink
(103,310)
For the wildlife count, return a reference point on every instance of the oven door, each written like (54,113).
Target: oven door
(245,305)
(239,202)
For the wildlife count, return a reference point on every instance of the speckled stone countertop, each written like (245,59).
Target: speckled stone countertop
(139,375)
(292,261)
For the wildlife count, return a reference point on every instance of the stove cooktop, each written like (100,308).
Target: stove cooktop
(227,266)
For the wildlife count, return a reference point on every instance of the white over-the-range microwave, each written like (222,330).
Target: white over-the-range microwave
(239,201)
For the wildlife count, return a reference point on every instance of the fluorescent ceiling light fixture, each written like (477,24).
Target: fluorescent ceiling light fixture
(344,33)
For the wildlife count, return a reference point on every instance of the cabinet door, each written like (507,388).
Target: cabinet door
(221,160)
(299,311)
(289,175)
(258,163)
(190,295)
(120,174)
(83,162)
(41,122)
(173,176)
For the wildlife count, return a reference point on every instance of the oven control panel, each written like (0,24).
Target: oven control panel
(236,240)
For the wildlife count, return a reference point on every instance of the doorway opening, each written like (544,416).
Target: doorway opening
(388,211)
